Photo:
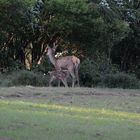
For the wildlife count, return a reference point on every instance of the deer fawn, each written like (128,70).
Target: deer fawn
(60,75)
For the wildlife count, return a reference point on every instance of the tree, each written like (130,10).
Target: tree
(81,27)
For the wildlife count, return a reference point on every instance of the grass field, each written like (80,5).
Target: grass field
(29,113)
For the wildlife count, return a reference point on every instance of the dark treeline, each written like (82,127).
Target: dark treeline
(104,34)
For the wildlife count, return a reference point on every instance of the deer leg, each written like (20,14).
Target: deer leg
(73,78)
(77,77)
(65,82)
(63,79)
(58,83)
(51,80)
(73,82)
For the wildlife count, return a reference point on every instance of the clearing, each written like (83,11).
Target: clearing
(42,113)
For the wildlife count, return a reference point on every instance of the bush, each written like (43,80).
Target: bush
(24,77)
(89,74)
(29,78)
(138,73)
(91,70)
(5,81)
(120,80)
(100,72)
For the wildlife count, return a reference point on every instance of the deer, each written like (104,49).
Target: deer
(70,63)
(60,76)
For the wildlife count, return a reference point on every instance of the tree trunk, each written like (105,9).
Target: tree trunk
(28,56)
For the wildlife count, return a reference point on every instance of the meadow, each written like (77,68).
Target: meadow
(42,113)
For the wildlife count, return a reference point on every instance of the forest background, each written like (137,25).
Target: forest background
(104,34)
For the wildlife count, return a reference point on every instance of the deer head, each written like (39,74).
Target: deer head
(47,51)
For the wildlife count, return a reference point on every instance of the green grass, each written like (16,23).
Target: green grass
(47,118)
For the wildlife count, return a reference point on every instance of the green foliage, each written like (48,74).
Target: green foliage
(89,74)
(24,78)
(29,78)
(120,80)
(13,14)
(109,27)
(91,70)
(5,81)
(100,72)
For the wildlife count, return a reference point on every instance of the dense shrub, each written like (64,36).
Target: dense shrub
(24,77)
(89,74)
(138,73)
(120,80)
(100,72)
(92,70)
(5,81)
(29,78)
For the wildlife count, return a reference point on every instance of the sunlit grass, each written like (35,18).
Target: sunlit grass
(33,121)
(69,115)
(67,109)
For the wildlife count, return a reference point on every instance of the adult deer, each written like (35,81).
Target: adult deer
(70,63)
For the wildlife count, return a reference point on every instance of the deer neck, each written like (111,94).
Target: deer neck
(52,59)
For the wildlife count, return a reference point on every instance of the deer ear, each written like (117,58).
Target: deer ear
(54,47)
(46,49)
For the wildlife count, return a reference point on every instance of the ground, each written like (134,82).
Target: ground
(42,113)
